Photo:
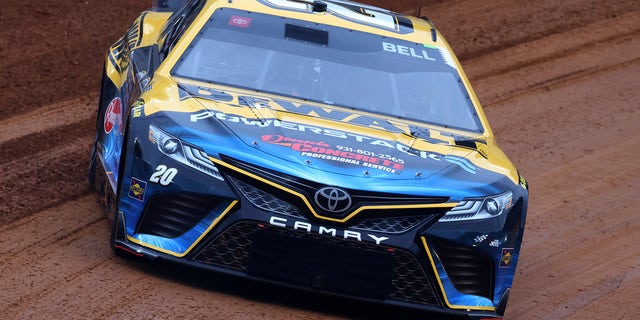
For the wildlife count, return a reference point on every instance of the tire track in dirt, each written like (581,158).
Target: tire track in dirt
(475,28)
(53,50)
(44,157)
(44,179)
(47,118)
(554,71)
(576,144)
(553,46)
(570,120)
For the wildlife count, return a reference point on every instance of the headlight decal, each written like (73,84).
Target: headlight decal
(482,208)
(182,152)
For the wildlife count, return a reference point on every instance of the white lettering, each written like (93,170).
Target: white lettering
(426,56)
(334,133)
(201,115)
(413,53)
(280,222)
(389,47)
(381,143)
(377,239)
(433,156)
(352,234)
(324,230)
(303,128)
(302,225)
(285,125)
(406,51)
(346,234)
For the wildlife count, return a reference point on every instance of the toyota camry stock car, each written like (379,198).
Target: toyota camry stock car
(325,145)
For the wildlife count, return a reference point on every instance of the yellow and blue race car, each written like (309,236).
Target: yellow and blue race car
(325,145)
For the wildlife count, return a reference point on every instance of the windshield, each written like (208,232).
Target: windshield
(330,65)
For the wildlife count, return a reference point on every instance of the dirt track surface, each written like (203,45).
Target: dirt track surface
(559,80)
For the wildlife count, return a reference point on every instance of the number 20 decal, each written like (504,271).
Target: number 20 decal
(163,175)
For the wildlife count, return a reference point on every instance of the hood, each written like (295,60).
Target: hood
(295,136)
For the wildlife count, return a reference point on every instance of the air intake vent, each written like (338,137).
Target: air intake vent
(172,215)
(471,272)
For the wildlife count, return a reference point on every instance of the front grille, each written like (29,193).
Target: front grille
(264,200)
(393,224)
(231,248)
(170,216)
(386,224)
(294,189)
(352,264)
(298,259)
(470,271)
(410,282)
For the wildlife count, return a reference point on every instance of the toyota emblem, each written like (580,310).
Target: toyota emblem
(334,200)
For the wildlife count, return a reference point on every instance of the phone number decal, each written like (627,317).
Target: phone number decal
(371,154)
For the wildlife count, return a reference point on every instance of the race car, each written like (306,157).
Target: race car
(328,145)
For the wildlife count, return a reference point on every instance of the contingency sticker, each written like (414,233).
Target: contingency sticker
(137,189)
(238,21)
(507,257)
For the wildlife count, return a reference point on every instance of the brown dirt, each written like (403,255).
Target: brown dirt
(560,82)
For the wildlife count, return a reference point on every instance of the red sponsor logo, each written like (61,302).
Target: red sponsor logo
(322,150)
(288,142)
(239,21)
(112,115)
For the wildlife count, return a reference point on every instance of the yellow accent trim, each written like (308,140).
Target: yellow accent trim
(180,255)
(315,214)
(152,26)
(444,294)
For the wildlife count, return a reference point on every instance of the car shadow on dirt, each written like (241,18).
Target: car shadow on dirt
(277,295)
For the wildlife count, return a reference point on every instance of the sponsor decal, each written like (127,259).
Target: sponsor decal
(137,189)
(407,51)
(338,233)
(163,175)
(136,108)
(485,238)
(291,142)
(113,115)
(495,243)
(342,154)
(238,21)
(507,257)
(479,239)
(383,162)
